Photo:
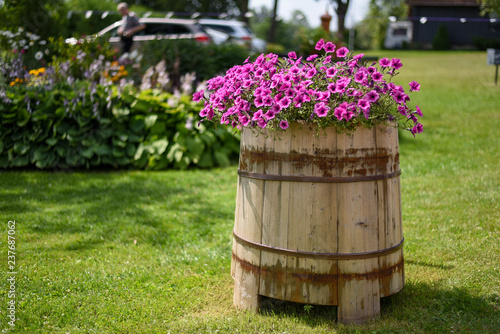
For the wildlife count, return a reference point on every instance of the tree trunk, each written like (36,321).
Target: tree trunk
(272,29)
(243,7)
(341,10)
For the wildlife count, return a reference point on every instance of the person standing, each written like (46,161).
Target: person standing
(129,27)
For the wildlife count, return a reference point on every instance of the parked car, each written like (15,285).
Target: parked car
(236,31)
(157,29)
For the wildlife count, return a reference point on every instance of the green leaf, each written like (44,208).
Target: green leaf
(137,123)
(131,149)
(23,117)
(120,112)
(160,146)
(222,159)
(52,141)
(21,148)
(118,153)
(206,160)
(4,161)
(87,152)
(150,121)
(20,161)
(141,105)
(118,142)
(195,145)
(74,160)
(102,150)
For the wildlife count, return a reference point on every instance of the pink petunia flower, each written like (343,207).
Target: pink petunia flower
(418,111)
(384,62)
(414,86)
(320,44)
(321,109)
(372,96)
(342,52)
(284,124)
(261,122)
(292,55)
(198,96)
(417,128)
(377,76)
(311,57)
(396,63)
(329,47)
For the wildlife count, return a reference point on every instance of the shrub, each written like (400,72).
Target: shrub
(441,40)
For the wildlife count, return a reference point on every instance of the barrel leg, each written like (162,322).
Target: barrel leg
(359,294)
(246,289)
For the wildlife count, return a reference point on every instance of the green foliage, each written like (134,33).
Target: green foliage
(370,33)
(490,7)
(186,56)
(106,127)
(441,40)
(44,18)
(309,38)
(288,33)
(483,43)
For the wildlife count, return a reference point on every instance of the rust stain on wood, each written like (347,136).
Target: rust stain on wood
(277,275)
(363,161)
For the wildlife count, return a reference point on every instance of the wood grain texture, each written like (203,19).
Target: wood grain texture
(346,218)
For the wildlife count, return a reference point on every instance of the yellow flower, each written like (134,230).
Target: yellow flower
(33,72)
(12,83)
(41,70)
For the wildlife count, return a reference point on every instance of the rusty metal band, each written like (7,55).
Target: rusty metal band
(318,179)
(320,256)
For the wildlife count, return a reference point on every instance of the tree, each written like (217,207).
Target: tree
(191,6)
(371,31)
(44,18)
(340,7)
(490,7)
(272,29)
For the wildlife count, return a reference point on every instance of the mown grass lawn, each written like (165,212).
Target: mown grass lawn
(149,252)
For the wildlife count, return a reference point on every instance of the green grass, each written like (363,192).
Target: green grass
(149,252)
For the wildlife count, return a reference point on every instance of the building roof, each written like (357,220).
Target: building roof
(442,3)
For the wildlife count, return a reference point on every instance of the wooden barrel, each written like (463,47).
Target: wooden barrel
(318,219)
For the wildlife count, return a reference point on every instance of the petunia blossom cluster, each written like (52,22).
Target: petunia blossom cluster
(335,89)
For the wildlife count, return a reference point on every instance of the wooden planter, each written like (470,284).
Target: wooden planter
(318,220)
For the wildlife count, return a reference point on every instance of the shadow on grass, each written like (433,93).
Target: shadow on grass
(418,308)
(93,208)
(429,265)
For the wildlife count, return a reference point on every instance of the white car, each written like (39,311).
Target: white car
(236,31)
(157,29)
